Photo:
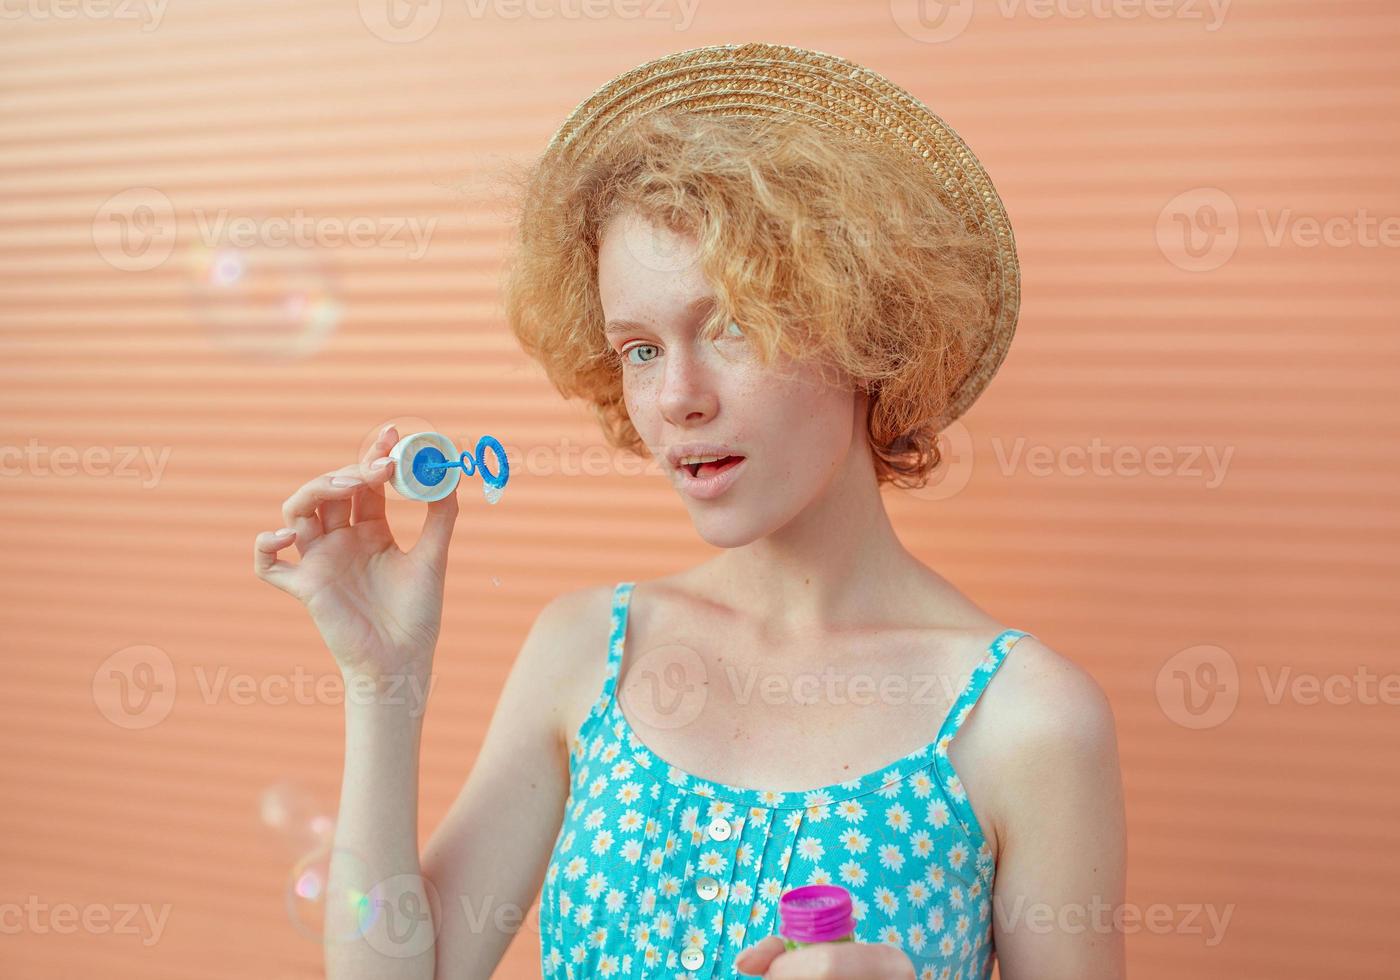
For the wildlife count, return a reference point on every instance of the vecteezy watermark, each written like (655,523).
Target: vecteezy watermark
(837,685)
(938,21)
(954,470)
(1200,686)
(1097,916)
(668,685)
(307,688)
(1199,230)
(136,229)
(135,688)
(402,914)
(123,462)
(38,918)
(406,21)
(407,916)
(147,13)
(1101,459)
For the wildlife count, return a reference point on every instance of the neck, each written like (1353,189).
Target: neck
(838,563)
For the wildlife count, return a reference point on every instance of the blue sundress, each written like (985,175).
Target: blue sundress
(657,872)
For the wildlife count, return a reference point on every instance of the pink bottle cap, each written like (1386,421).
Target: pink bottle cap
(816,913)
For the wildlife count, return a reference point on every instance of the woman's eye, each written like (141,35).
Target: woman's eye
(733,330)
(627,353)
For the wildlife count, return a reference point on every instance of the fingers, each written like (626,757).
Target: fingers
(756,959)
(266,564)
(328,502)
(299,510)
(369,502)
(437,530)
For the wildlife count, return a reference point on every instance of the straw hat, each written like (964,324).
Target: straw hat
(759,79)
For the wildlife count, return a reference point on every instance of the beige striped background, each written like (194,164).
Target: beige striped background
(1190,446)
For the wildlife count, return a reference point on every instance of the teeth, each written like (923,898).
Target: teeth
(691,460)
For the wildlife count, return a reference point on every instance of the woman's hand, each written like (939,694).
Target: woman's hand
(379,609)
(825,961)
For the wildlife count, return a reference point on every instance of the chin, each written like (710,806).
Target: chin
(735,525)
(724,533)
(727,530)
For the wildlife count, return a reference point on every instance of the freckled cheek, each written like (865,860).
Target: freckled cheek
(640,401)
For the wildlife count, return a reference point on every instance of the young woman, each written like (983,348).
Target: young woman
(783,318)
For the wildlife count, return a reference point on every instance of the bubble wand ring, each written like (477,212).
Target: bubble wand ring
(427,467)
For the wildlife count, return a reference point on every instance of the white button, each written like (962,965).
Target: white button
(706,887)
(692,957)
(719,828)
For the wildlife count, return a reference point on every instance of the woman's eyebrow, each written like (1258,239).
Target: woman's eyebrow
(697,306)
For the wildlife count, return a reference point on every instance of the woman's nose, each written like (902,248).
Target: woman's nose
(687,393)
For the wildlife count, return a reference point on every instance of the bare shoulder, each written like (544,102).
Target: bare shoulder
(567,650)
(1043,694)
(1048,725)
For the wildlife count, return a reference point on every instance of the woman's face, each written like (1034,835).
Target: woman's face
(795,434)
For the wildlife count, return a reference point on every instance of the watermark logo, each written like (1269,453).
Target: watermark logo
(666,686)
(1199,230)
(134,230)
(954,471)
(406,912)
(940,21)
(1208,464)
(407,21)
(1103,918)
(1359,230)
(134,688)
(1199,687)
(142,463)
(147,13)
(36,917)
(400,21)
(653,244)
(932,21)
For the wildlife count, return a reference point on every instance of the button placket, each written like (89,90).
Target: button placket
(707,887)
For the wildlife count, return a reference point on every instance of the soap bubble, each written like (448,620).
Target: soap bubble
(308,891)
(290,809)
(262,300)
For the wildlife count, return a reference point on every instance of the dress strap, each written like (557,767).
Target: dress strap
(977,682)
(962,707)
(621,602)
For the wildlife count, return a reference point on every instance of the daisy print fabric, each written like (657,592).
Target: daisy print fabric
(658,873)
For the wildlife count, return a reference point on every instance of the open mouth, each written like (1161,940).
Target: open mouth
(702,470)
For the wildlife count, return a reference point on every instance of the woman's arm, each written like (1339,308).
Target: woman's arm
(488,857)
(452,915)
(1061,870)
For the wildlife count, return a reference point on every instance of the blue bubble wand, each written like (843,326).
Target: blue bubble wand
(428,467)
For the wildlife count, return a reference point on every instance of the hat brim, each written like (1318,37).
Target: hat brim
(760,79)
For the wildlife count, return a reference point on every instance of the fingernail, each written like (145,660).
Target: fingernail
(385,431)
(282,532)
(379,463)
(344,481)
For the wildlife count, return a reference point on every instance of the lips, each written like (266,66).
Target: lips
(702,470)
(711,479)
